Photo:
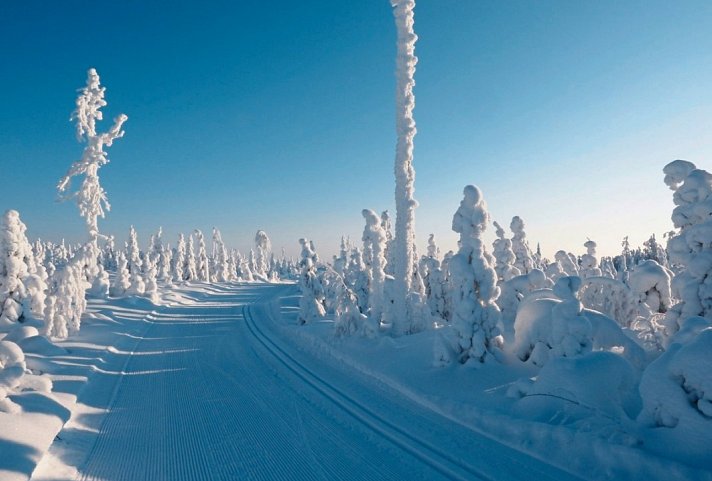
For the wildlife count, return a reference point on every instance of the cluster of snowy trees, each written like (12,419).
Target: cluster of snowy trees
(649,308)
(44,286)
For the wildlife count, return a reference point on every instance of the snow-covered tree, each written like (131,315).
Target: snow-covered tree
(222,270)
(149,279)
(404,171)
(589,261)
(122,281)
(690,249)
(91,197)
(21,282)
(475,316)
(311,304)
(202,266)
(520,246)
(189,268)
(263,248)
(374,246)
(504,255)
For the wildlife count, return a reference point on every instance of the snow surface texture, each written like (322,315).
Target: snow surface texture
(404,172)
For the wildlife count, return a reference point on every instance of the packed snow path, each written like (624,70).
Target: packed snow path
(209,391)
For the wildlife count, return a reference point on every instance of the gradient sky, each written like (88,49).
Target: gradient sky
(279,115)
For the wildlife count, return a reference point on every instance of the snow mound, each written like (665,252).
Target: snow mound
(677,395)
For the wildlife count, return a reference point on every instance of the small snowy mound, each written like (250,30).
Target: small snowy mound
(12,368)
(602,382)
(40,345)
(677,394)
(21,332)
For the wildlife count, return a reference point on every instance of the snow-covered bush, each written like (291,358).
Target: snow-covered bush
(473,280)
(567,262)
(514,290)
(356,278)
(122,282)
(348,319)
(66,301)
(12,369)
(650,283)
(610,297)
(690,250)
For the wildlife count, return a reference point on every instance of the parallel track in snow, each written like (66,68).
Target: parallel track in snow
(439,460)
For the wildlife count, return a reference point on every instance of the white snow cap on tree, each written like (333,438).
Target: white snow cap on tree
(475,316)
(263,248)
(91,197)
(311,304)
(503,253)
(202,266)
(589,261)
(691,248)
(404,172)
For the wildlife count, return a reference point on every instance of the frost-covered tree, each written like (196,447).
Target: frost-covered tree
(21,282)
(348,318)
(91,197)
(122,281)
(475,316)
(222,270)
(356,278)
(149,279)
(311,304)
(567,262)
(202,266)
(520,246)
(690,249)
(589,261)
(404,171)
(374,246)
(342,259)
(263,249)
(387,226)
(189,268)
(165,264)
(504,255)
(65,302)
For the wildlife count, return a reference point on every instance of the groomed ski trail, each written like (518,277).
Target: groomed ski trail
(209,392)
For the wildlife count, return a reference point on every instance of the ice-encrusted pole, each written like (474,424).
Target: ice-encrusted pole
(404,172)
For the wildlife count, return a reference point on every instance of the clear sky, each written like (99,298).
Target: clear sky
(279,115)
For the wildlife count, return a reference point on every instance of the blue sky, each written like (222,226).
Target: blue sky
(280,115)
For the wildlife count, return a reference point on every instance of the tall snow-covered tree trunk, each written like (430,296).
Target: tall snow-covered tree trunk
(404,172)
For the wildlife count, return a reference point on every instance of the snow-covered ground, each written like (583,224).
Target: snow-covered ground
(220,382)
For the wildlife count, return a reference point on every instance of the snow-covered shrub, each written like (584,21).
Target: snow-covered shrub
(356,278)
(610,297)
(12,369)
(504,255)
(691,248)
(567,262)
(65,302)
(374,245)
(677,394)
(122,281)
(520,246)
(650,283)
(473,281)
(311,304)
(348,319)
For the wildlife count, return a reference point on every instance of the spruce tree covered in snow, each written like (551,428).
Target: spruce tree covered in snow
(20,281)
(475,316)
(690,249)
(589,261)
(202,266)
(387,227)
(165,264)
(311,304)
(263,249)
(404,172)
(222,259)
(374,246)
(150,277)
(133,253)
(503,253)
(520,246)
(189,268)
(91,197)
(357,279)
(178,260)
(122,282)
